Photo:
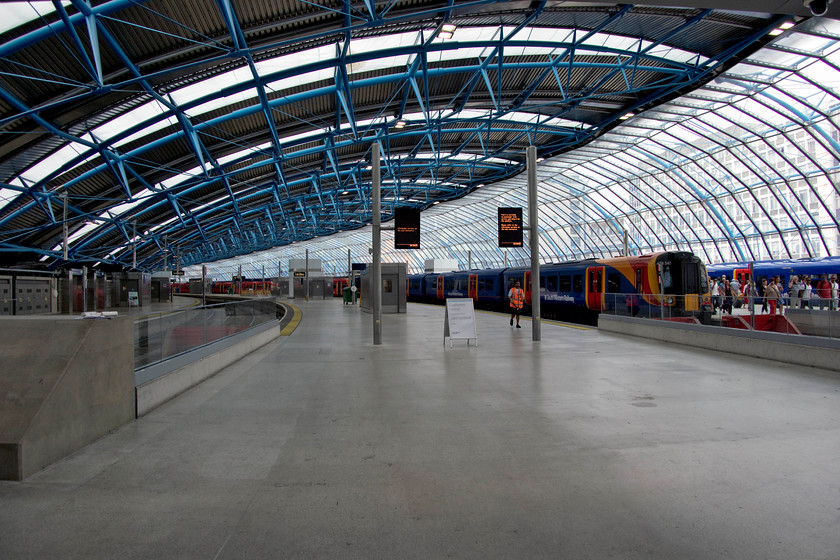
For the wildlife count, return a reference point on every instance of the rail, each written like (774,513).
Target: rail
(163,336)
(817,318)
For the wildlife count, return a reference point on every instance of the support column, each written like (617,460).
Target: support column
(534,227)
(376,268)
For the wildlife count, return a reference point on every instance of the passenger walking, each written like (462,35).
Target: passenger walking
(716,294)
(835,289)
(762,294)
(793,291)
(771,295)
(824,290)
(727,297)
(805,283)
(517,301)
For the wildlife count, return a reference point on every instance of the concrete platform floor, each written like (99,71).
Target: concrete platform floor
(584,445)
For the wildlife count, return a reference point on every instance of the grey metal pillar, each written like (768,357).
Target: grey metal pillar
(134,247)
(239,281)
(753,291)
(203,285)
(469,259)
(84,288)
(64,227)
(534,227)
(306,279)
(376,268)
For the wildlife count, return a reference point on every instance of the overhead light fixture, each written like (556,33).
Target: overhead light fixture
(400,124)
(345,192)
(447,30)
(781,29)
(436,202)
(540,159)
(626,116)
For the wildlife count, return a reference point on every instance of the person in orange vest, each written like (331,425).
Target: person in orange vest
(517,300)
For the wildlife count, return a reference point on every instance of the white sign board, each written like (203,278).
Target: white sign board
(459,321)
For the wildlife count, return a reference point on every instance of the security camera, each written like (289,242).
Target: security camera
(817,7)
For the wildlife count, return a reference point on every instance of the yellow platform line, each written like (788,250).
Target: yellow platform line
(293,324)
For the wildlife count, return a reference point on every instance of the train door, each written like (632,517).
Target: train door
(595,287)
(527,287)
(742,274)
(473,287)
(439,287)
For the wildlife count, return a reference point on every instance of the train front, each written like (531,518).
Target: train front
(684,285)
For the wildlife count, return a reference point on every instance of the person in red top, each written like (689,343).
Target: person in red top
(517,302)
(824,289)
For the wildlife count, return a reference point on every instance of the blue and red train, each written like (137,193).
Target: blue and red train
(580,290)
(784,268)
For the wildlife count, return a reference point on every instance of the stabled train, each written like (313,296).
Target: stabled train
(578,291)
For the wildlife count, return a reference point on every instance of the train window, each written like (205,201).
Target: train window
(667,279)
(542,282)
(639,284)
(551,283)
(481,284)
(490,283)
(450,284)
(614,283)
(577,283)
(564,284)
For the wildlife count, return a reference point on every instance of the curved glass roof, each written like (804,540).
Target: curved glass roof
(744,167)
(215,128)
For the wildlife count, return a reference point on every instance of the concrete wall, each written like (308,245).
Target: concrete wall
(64,382)
(793,349)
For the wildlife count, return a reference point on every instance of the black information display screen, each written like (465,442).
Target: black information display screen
(406,228)
(510,227)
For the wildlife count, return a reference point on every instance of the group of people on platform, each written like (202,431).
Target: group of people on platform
(802,292)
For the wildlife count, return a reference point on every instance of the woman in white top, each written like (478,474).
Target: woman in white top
(835,288)
(806,292)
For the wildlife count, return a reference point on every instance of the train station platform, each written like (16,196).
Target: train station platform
(583,445)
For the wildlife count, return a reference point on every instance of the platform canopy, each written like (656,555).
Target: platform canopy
(209,129)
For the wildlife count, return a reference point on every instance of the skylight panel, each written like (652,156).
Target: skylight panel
(222,101)
(120,209)
(243,153)
(182,177)
(301,80)
(53,162)
(7,195)
(118,125)
(16,14)
(216,83)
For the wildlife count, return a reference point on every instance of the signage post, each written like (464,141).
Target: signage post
(406,228)
(510,227)
(459,321)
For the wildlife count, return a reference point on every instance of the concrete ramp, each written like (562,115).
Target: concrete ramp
(64,382)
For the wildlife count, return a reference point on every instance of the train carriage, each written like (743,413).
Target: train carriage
(673,284)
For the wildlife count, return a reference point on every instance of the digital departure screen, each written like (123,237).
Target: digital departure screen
(406,228)
(510,227)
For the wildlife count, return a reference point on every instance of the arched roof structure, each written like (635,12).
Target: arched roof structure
(215,129)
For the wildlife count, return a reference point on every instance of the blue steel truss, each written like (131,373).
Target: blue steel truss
(447,123)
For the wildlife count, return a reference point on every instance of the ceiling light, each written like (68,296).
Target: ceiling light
(539,159)
(781,29)
(446,31)
(626,116)
(400,124)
